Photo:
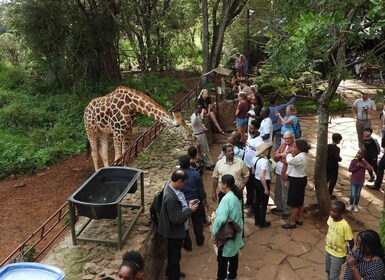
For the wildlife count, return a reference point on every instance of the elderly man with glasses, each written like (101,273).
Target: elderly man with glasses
(229,165)
(281,182)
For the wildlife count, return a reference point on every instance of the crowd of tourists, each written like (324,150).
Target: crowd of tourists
(247,163)
(266,143)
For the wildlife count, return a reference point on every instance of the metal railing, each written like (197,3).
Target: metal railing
(34,246)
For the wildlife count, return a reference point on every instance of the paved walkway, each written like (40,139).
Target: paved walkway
(276,253)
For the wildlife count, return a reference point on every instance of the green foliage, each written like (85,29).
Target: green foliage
(309,106)
(39,129)
(11,77)
(382,229)
(270,82)
(29,253)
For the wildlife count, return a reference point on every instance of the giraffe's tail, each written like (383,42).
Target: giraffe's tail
(88,149)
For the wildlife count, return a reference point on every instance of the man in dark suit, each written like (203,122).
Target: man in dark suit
(173,221)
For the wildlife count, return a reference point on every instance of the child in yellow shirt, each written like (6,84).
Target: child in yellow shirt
(339,233)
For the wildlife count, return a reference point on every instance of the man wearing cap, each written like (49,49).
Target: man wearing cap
(362,110)
(199,131)
(252,141)
(261,166)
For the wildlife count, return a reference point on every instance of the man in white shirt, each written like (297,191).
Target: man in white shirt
(252,141)
(266,128)
(362,110)
(199,131)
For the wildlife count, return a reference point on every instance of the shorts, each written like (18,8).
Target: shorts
(240,122)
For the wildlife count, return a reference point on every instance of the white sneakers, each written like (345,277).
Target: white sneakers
(353,208)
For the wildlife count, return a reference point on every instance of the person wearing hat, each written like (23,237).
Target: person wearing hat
(362,110)
(262,175)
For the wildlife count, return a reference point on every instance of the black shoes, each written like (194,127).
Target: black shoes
(265,224)
(187,248)
(181,275)
(288,226)
(276,211)
(372,179)
(372,187)
(300,223)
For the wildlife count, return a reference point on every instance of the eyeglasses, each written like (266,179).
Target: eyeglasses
(287,138)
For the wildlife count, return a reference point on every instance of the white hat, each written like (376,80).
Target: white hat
(261,147)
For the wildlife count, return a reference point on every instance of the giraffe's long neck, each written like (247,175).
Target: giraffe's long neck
(141,103)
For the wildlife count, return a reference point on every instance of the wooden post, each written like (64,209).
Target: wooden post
(216,94)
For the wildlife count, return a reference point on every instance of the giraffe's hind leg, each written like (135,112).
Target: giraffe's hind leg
(104,148)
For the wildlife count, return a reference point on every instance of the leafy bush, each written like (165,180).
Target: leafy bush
(309,107)
(11,77)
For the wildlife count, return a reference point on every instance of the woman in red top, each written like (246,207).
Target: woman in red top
(241,115)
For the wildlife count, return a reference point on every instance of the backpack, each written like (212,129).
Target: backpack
(297,129)
(156,205)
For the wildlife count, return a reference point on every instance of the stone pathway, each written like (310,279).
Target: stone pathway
(276,253)
(269,253)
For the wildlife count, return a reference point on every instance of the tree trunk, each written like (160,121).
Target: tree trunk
(205,37)
(320,165)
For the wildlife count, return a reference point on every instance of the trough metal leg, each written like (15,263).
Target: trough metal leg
(142,189)
(119,226)
(71,211)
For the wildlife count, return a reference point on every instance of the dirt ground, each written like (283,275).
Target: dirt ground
(27,202)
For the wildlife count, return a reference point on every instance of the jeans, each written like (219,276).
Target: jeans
(355,192)
(222,266)
(174,255)
(333,266)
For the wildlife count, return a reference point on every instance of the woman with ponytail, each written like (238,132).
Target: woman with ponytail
(230,208)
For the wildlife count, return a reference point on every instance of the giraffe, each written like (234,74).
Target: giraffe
(113,114)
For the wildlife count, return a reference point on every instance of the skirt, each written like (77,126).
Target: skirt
(296,194)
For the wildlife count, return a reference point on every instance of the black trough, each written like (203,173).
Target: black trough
(100,197)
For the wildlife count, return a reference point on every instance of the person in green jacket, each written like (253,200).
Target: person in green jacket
(230,208)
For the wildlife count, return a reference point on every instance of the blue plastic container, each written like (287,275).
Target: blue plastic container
(30,271)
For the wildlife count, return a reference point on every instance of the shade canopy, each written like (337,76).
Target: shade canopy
(220,71)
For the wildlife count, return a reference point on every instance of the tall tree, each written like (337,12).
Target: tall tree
(304,33)
(222,14)
(68,38)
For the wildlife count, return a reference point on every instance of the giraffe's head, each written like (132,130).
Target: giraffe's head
(180,126)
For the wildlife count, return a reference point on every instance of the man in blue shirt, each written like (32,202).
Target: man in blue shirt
(274,109)
(193,189)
